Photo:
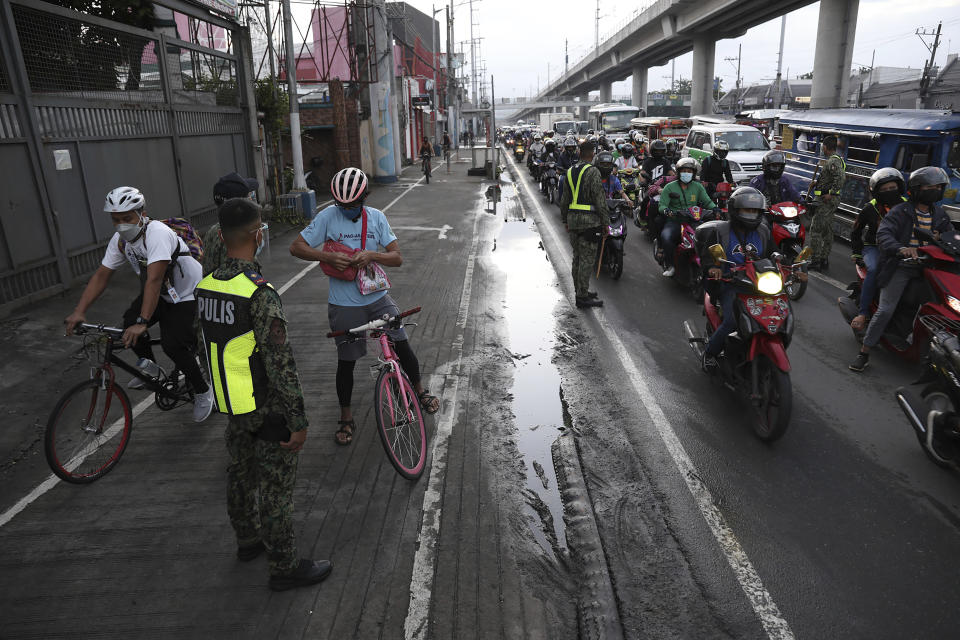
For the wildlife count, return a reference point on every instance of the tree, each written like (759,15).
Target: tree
(807,76)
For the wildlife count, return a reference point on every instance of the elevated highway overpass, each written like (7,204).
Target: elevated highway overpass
(670,28)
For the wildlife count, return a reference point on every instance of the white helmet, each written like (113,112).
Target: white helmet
(124,199)
(349,185)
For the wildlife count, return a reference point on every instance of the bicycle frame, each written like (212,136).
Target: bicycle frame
(111,359)
(389,358)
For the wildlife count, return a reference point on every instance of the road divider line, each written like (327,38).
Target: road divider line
(828,280)
(416,624)
(760,599)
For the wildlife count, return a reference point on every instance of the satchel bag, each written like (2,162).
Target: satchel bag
(371,278)
(332,246)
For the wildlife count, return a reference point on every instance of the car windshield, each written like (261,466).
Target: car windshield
(744,140)
(618,120)
(564,125)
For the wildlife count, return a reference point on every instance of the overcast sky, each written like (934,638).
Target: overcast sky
(522,37)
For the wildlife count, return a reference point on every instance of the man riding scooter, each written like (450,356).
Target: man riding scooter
(744,233)
(657,164)
(716,168)
(676,196)
(772,183)
(611,184)
(897,237)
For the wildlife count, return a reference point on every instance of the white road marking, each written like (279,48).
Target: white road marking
(760,599)
(53,480)
(828,280)
(442,231)
(421,581)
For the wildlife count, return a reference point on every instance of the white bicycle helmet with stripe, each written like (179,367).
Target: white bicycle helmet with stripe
(349,186)
(124,199)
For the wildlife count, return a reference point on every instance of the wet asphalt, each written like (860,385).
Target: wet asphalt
(853,532)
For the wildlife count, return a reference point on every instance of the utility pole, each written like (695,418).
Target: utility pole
(295,149)
(473,61)
(566,55)
(673,72)
(737,94)
(928,67)
(783,29)
(596,28)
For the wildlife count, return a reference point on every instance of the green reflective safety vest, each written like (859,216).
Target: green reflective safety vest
(575,204)
(236,370)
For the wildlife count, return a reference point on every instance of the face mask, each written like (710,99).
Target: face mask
(686,177)
(888,197)
(353,212)
(129,232)
(929,196)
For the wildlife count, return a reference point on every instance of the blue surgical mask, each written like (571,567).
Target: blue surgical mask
(686,177)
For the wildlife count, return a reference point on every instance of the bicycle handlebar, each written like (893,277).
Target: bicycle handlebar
(374,324)
(84,327)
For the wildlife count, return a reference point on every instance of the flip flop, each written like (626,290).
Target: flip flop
(344,425)
(428,403)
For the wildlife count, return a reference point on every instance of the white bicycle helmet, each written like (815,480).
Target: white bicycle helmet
(349,186)
(124,199)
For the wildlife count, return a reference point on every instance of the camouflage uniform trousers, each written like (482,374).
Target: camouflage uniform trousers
(584,263)
(821,230)
(260,481)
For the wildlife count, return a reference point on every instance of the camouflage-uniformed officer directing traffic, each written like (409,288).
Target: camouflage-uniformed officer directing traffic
(583,207)
(256,384)
(826,197)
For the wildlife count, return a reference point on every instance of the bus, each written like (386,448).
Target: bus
(611,118)
(905,139)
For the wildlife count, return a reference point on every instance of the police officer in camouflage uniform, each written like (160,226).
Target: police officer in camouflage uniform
(583,207)
(256,384)
(826,198)
(232,185)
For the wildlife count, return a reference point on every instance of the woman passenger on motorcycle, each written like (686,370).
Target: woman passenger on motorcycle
(887,188)
(677,196)
(611,184)
(897,238)
(745,232)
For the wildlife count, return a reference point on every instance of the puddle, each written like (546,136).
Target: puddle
(530,298)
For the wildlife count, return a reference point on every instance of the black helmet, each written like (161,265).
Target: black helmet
(550,144)
(604,162)
(658,148)
(746,198)
(883,176)
(773,164)
(924,177)
(570,142)
(626,150)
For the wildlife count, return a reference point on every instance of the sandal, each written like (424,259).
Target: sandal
(429,403)
(858,323)
(346,428)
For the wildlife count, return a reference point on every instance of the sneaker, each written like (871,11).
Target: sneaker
(308,572)
(668,272)
(709,363)
(147,366)
(858,365)
(203,404)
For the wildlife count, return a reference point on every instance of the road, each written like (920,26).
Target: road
(851,530)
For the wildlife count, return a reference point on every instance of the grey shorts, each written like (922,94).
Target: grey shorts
(344,318)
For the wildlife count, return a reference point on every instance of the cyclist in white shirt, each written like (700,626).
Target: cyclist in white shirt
(168,276)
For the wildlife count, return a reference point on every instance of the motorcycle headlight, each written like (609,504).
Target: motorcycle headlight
(789,212)
(770,283)
(953,303)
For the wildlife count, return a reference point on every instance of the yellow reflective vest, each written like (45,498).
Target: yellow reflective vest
(236,370)
(575,204)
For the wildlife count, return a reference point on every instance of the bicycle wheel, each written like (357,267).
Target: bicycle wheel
(87,432)
(400,423)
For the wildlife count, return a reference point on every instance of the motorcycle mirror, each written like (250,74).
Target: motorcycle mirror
(718,254)
(804,255)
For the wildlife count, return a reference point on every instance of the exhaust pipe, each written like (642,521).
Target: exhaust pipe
(912,407)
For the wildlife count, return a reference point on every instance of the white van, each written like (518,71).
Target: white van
(747,147)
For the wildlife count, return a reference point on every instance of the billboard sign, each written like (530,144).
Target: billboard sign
(223,7)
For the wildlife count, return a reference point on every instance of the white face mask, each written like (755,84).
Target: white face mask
(129,232)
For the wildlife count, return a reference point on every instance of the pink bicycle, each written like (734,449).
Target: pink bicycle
(399,420)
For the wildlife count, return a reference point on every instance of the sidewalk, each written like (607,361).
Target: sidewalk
(147,551)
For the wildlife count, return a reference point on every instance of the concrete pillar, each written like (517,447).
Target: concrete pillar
(834,53)
(701,92)
(640,86)
(606,91)
(581,112)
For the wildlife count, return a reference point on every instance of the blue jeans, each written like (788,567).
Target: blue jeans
(871,258)
(728,299)
(669,238)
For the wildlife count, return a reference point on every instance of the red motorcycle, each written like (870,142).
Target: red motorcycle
(721,193)
(754,361)
(646,214)
(686,260)
(936,293)
(789,236)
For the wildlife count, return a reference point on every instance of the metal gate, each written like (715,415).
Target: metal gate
(89,104)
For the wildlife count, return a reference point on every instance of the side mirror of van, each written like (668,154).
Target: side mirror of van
(707,147)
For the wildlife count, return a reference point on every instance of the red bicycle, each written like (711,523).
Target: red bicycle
(399,419)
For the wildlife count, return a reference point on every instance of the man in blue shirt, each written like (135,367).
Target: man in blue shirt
(611,183)
(347,307)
